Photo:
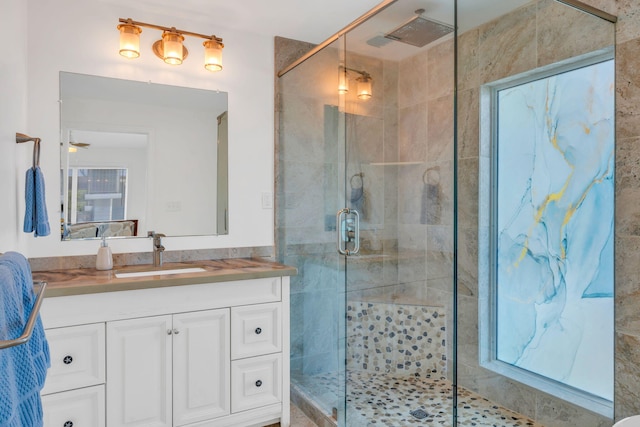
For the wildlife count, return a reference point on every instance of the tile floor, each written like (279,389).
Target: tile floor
(383,400)
(298,419)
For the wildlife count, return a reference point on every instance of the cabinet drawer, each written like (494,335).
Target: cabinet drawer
(77,357)
(76,408)
(256,382)
(256,330)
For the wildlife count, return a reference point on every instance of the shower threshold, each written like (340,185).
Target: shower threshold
(389,400)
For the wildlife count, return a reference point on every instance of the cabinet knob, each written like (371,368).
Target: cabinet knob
(176,332)
(68,424)
(169,331)
(67,361)
(258,331)
(258,383)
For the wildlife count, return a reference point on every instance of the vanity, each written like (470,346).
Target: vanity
(205,347)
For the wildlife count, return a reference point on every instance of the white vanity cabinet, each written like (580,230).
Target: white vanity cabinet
(168,370)
(206,355)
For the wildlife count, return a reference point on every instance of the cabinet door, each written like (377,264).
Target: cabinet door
(77,357)
(139,372)
(75,408)
(201,364)
(256,329)
(257,381)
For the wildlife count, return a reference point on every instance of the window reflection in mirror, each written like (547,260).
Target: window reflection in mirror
(140,156)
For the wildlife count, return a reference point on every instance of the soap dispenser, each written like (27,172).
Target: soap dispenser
(104,260)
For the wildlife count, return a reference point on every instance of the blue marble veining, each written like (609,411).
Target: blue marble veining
(555,186)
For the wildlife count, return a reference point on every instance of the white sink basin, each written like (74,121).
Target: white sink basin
(159,272)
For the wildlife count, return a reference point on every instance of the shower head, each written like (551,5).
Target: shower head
(419,31)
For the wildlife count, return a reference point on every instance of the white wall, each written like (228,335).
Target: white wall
(80,36)
(13,87)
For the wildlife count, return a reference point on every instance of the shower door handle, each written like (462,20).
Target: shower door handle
(348,230)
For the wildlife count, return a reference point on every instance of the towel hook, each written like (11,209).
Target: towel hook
(21,137)
(431,175)
(357,175)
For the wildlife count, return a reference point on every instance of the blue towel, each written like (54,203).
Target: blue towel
(35,214)
(23,368)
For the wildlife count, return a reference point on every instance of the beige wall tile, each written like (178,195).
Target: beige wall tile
(627,388)
(580,32)
(507,46)
(628,89)
(439,70)
(440,129)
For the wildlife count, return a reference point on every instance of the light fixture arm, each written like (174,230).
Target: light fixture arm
(361,72)
(170,29)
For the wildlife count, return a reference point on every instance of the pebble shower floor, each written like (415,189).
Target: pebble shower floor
(383,400)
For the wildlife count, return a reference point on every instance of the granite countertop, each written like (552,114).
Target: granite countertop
(89,280)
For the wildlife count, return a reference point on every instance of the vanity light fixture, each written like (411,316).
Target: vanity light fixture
(363,87)
(170,48)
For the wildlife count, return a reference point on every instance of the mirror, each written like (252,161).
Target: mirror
(141,156)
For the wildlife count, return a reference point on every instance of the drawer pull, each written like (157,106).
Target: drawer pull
(258,383)
(68,359)
(258,331)
(68,424)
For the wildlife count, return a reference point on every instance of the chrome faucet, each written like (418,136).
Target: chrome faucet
(158,249)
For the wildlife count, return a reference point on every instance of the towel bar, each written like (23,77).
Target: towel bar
(31,322)
(21,137)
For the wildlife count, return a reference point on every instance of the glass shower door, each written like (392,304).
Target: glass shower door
(399,123)
(310,192)
(364,210)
